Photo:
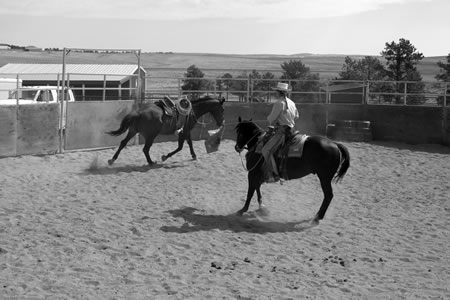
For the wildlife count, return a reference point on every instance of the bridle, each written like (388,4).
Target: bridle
(250,149)
(248,142)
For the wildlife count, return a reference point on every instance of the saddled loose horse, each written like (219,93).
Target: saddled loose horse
(328,159)
(150,121)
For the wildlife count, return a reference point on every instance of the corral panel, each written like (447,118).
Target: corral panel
(8,117)
(37,129)
(410,124)
(87,123)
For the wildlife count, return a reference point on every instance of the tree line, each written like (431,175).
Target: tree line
(397,75)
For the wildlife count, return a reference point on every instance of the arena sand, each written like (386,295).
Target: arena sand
(72,227)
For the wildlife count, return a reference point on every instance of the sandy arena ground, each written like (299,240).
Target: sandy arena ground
(72,227)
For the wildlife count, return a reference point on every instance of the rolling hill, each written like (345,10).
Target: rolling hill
(328,66)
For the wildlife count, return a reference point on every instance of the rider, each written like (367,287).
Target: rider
(282,118)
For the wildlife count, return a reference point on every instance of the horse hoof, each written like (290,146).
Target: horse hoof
(164,157)
(110,161)
(315,221)
(239,213)
(194,157)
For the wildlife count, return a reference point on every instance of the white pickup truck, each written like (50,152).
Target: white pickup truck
(36,95)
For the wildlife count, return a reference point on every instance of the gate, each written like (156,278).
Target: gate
(29,129)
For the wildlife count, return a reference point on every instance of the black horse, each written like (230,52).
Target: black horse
(321,156)
(149,122)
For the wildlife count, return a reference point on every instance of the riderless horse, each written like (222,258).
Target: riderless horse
(162,118)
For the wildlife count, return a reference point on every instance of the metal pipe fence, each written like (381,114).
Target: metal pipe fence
(86,87)
(304,91)
(249,89)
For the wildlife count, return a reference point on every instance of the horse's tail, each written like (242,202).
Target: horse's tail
(127,121)
(345,163)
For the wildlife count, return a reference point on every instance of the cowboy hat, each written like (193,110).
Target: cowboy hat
(284,87)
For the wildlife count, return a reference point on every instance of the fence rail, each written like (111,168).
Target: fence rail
(247,89)
(415,112)
(305,91)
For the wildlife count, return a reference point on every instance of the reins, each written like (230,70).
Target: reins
(251,139)
(201,123)
(249,150)
(254,166)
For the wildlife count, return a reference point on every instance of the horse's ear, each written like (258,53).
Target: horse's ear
(239,119)
(251,119)
(222,100)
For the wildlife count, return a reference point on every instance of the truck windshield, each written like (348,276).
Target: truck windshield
(23,94)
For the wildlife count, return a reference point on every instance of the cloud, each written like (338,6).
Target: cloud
(264,10)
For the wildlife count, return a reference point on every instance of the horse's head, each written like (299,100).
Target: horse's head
(218,111)
(212,105)
(247,133)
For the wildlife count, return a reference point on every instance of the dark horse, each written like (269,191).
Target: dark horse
(321,156)
(149,122)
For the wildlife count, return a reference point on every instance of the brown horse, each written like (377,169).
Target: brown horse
(149,122)
(328,159)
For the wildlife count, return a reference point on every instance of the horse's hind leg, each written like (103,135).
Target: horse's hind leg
(259,197)
(325,182)
(123,143)
(146,149)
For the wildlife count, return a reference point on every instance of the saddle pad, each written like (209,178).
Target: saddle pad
(296,145)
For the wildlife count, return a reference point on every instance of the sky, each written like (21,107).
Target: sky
(347,27)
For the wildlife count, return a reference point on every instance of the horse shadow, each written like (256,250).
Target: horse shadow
(251,223)
(107,170)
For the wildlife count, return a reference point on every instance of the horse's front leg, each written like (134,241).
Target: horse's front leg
(250,192)
(253,186)
(180,146)
(191,147)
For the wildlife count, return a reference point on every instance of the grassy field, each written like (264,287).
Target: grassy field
(328,66)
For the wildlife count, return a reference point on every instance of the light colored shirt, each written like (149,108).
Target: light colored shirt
(284,113)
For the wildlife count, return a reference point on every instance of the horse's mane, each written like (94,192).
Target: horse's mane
(247,126)
(204,99)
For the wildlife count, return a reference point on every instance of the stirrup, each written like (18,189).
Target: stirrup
(272,178)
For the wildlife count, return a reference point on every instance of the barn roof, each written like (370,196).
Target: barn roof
(76,72)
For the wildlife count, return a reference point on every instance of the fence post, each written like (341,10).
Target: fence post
(404,93)
(61,102)
(17,95)
(327,95)
(104,88)
(58,84)
(445,94)
(83,92)
(248,88)
(366,94)
(445,119)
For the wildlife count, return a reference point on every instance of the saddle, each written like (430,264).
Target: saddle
(167,105)
(292,147)
(174,113)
